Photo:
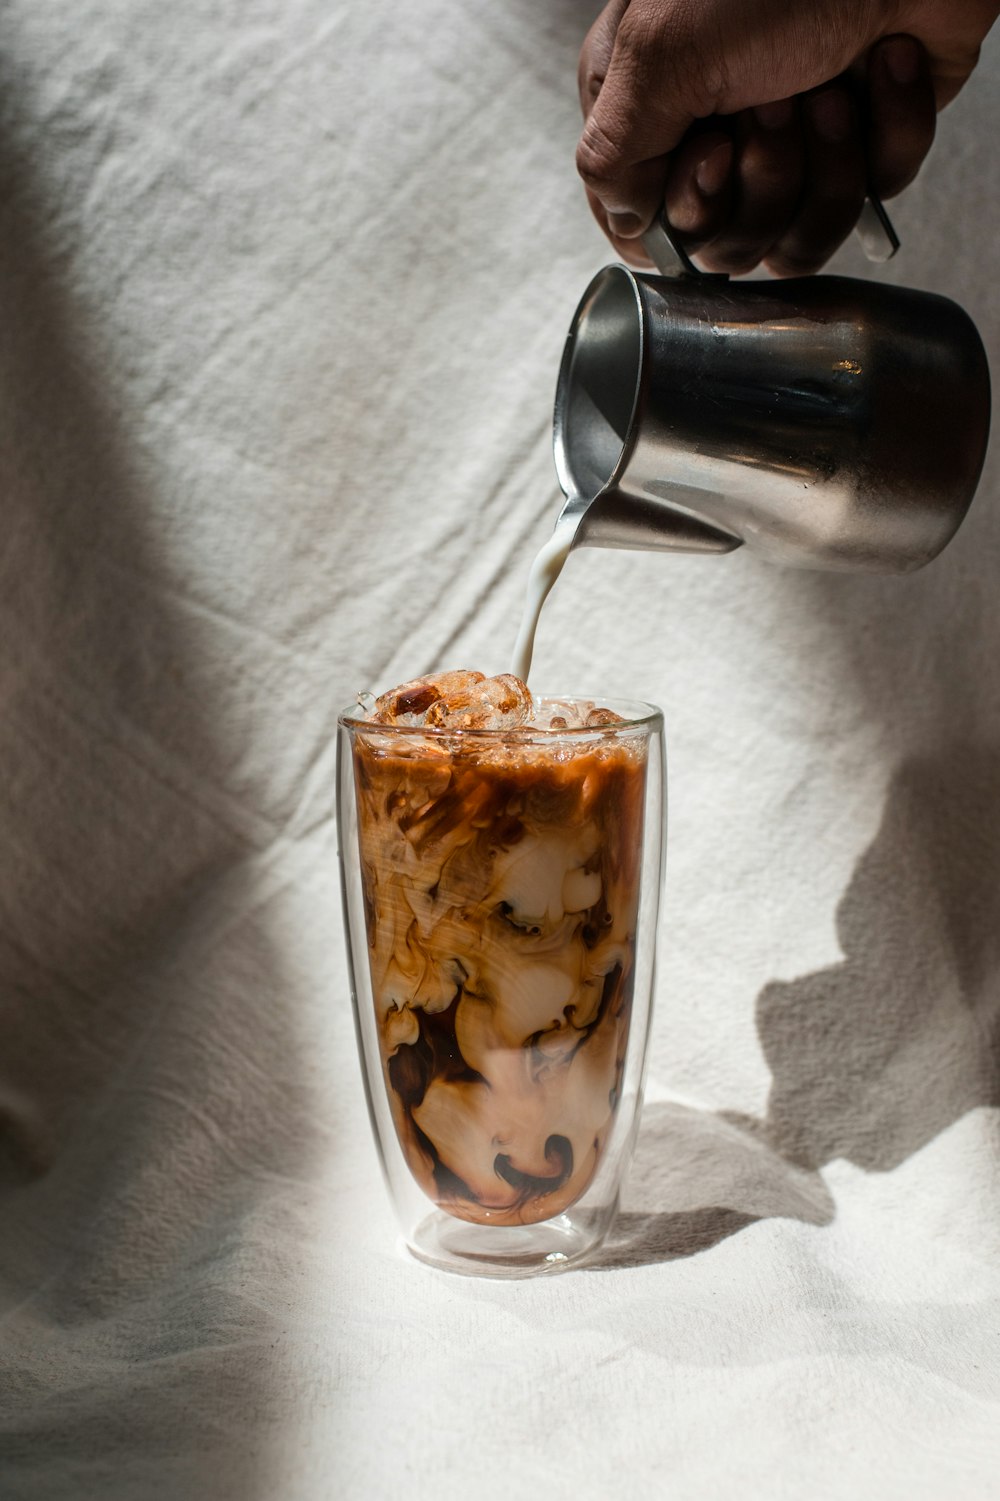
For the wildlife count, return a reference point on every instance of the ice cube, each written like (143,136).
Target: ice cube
(408,704)
(557,714)
(500,703)
(572,714)
(597,717)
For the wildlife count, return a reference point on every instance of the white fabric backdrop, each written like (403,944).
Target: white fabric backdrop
(284,286)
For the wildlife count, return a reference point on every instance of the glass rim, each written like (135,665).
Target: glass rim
(641,716)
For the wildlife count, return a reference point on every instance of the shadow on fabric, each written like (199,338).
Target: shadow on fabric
(870,1058)
(139,1121)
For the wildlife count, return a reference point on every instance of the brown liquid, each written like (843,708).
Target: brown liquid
(501,887)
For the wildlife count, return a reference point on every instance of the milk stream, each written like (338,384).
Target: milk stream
(545,569)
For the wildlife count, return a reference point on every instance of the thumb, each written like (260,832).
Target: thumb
(657,81)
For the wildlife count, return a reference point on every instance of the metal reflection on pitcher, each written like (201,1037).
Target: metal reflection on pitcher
(826,422)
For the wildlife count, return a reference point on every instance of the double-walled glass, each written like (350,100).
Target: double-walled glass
(500,900)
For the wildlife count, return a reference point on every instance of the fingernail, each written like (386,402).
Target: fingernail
(831,115)
(902,59)
(776,116)
(712,173)
(626,226)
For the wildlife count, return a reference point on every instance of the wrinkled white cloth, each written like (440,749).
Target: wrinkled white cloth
(284,288)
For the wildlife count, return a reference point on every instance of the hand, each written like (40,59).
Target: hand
(761,124)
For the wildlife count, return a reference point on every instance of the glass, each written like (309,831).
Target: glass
(500,896)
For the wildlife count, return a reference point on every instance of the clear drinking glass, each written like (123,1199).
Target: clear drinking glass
(500,901)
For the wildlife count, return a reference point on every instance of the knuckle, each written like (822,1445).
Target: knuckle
(597,155)
(896,162)
(640,32)
(735,251)
(769,175)
(786,263)
(676,53)
(731,262)
(888,179)
(809,244)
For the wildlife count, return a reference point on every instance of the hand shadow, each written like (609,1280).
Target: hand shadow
(709,1179)
(876,1055)
(870,1058)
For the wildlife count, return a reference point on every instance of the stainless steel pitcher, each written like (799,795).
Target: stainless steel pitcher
(826,422)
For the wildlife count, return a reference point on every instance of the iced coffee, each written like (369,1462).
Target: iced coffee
(500,843)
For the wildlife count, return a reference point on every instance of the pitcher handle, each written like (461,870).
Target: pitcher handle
(879,241)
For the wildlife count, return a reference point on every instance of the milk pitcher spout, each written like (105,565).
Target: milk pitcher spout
(823,421)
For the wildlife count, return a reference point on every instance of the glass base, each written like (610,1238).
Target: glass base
(555,1245)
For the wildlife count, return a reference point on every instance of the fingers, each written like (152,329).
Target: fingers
(951,33)
(780,183)
(901,113)
(847,155)
(698,198)
(835,183)
(639,102)
(794,194)
(630,250)
(766,191)
(700,187)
